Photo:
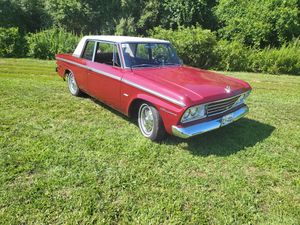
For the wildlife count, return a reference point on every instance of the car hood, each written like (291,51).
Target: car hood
(194,84)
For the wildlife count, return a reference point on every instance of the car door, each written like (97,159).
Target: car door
(81,73)
(104,76)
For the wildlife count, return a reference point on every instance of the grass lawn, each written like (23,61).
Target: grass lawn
(73,160)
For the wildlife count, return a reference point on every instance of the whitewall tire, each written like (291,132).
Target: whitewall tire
(150,122)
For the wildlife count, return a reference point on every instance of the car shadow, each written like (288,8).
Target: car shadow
(103,105)
(225,141)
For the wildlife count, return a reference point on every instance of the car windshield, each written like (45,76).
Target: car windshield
(149,55)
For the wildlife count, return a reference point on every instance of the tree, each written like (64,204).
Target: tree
(168,14)
(259,23)
(87,16)
(28,15)
(189,13)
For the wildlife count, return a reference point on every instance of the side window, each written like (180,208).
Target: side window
(89,50)
(108,54)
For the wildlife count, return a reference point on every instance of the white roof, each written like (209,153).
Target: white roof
(122,39)
(116,39)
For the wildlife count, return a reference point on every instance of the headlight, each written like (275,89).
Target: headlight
(194,113)
(242,98)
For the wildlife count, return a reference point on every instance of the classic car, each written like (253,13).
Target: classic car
(144,79)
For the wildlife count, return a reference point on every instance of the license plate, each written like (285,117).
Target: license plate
(227,119)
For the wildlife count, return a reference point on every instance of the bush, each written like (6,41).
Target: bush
(47,43)
(285,60)
(198,47)
(258,23)
(194,45)
(233,56)
(12,43)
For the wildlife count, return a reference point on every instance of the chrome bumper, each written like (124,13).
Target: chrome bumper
(186,132)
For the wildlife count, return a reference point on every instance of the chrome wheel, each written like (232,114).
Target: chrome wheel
(72,84)
(146,120)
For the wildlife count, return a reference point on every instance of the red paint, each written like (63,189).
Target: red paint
(189,85)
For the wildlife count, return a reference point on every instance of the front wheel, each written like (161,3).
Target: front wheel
(150,122)
(73,87)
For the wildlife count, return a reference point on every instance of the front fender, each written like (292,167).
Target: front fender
(169,112)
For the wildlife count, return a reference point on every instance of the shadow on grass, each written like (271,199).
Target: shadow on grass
(226,140)
(103,105)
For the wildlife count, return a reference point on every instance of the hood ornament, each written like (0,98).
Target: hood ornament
(227,89)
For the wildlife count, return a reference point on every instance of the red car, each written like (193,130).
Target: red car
(143,78)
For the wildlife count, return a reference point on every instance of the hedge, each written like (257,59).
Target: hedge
(47,43)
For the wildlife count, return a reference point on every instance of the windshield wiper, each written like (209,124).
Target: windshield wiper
(169,63)
(143,65)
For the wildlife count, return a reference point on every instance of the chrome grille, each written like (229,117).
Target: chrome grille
(221,106)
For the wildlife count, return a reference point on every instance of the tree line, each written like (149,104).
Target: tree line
(252,35)
(258,23)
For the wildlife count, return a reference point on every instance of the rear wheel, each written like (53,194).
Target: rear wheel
(73,87)
(150,122)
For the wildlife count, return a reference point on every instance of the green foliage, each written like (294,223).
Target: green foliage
(194,45)
(103,16)
(253,35)
(285,60)
(152,14)
(87,16)
(69,14)
(190,13)
(233,56)
(11,14)
(47,43)
(126,27)
(27,15)
(259,23)
(12,43)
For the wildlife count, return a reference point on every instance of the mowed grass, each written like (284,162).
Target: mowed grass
(68,160)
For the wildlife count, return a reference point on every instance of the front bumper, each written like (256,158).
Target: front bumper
(186,132)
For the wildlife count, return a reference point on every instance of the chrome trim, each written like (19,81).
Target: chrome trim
(186,132)
(105,74)
(74,63)
(223,103)
(90,68)
(176,102)
(218,107)
(167,111)
(94,53)
(213,111)
(154,93)
(121,55)
(225,99)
